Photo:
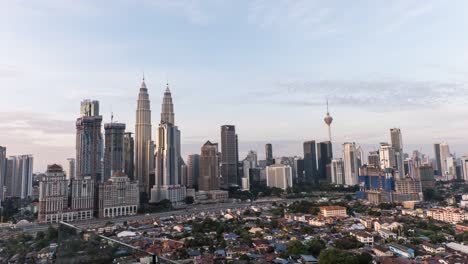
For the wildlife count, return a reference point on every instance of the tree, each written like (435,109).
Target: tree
(295,247)
(315,246)
(364,258)
(333,256)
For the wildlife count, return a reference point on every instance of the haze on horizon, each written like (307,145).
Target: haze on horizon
(265,66)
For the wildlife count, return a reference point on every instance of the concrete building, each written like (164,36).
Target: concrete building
(324,157)
(310,162)
(248,165)
(387,156)
(333,211)
(446,169)
(438,159)
(363,237)
(113,149)
(193,170)
(426,176)
(351,167)
(448,214)
(81,206)
(89,144)
(19,176)
(269,154)
(373,159)
(337,171)
(118,196)
(3,170)
(229,157)
(59,201)
(142,139)
(129,156)
(279,176)
(53,195)
(397,145)
(167,158)
(71,170)
(299,167)
(209,167)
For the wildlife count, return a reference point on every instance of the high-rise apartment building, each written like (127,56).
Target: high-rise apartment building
(209,167)
(351,167)
(19,176)
(142,139)
(279,176)
(71,171)
(129,156)
(167,157)
(193,170)
(324,157)
(229,157)
(89,141)
(113,149)
(337,171)
(310,162)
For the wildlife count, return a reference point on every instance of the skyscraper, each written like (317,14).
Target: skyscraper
(324,157)
(142,137)
(299,167)
(328,120)
(167,158)
(397,145)
(193,170)
(249,163)
(89,141)
(3,167)
(269,154)
(447,167)
(129,156)
(114,149)
(351,169)
(310,162)
(209,167)
(438,159)
(229,157)
(71,172)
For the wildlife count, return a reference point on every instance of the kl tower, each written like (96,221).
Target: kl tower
(328,120)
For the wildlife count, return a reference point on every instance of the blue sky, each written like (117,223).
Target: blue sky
(265,66)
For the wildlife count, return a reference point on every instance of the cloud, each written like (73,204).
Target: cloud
(309,17)
(372,95)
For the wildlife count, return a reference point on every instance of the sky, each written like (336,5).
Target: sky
(266,67)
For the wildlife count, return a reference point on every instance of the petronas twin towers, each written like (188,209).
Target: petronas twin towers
(157,163)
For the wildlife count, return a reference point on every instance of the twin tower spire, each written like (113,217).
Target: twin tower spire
(143,140)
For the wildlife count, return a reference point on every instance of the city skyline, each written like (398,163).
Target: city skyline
(262,84)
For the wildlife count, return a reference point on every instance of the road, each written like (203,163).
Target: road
(99,222)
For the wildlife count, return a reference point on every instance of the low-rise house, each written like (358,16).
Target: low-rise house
(431,248)
(363,237)
(381,251)
(386,234)
(401,250)
(457,247)
(261,245)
